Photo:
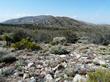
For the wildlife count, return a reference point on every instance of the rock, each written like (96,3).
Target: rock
(64,64)
(70,71)
(20,80)
(99,61)
(57,79)
(40,78)
(79,78)
(62,56)
(77,55)
(30,64)
(48,78)
(83,70)
(58,74)
(58,67)
(39,66)
(16,74)
(32,79)
(71,54)
(2,79)
(25,75)
(87,61)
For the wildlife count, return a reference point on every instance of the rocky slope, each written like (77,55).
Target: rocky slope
(43,66)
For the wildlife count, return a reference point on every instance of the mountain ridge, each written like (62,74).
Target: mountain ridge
(52,21)
(49,21)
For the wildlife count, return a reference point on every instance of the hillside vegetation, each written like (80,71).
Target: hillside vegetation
(54,49)
(97,35)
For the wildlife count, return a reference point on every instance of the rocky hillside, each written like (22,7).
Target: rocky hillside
(49,21)
(55,63)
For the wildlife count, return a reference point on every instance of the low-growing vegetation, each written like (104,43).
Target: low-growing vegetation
(26,44)
(97,35)
(58,49)
(99,75)
(6,72)
(104,50)
(59,40)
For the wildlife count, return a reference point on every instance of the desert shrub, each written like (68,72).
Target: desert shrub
(6,37)
(8,59)
(98,35)
(58,49)
(69,71)
(3,53)
(99,75)
(42,36)
(59,40)
(6,71)
(71,36)
(104,65)
(1,37)
(26,43)
(83,40)
(19,35)
(19,64)
(105,50)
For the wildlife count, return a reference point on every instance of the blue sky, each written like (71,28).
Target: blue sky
(94,11)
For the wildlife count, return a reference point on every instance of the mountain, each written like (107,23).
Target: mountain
(48,21)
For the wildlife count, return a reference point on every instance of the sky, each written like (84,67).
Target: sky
(92,11)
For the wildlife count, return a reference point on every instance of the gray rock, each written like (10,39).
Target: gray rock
(30,64)
(48,78)
(20,80)
(25,76)
(79,78)
(32,79)
(99,61)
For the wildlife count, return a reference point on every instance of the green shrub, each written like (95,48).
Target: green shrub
(99,76)
(26,44)
(104,65)
(58,50)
